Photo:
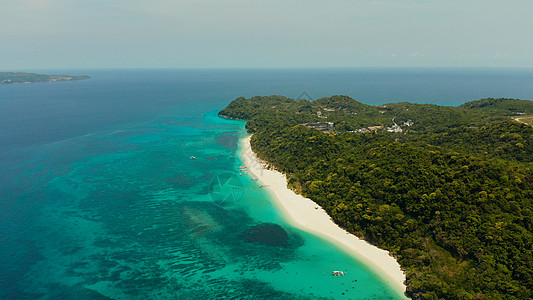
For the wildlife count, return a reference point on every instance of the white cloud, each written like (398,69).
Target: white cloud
(501,55)
(419,54)
(35,4)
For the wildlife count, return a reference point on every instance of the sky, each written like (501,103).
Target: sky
(70,34)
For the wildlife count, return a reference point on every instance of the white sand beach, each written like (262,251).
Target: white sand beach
(305,214)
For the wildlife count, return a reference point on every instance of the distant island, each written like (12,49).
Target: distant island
(21,77)
(448,191)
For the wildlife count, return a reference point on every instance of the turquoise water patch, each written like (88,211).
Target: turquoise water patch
(144,223)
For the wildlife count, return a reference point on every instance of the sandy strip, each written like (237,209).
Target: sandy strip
(305,214)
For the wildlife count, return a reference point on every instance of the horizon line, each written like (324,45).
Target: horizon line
(269,68)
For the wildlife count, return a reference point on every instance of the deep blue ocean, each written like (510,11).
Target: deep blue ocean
(110,187)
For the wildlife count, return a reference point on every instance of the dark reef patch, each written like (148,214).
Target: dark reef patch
(268,234)
(229,140)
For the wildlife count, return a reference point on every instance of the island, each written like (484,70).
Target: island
(447,191)
(21,77)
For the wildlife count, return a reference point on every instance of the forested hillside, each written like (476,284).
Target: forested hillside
(448,190)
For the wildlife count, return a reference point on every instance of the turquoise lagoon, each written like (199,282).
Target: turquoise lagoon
(127,186)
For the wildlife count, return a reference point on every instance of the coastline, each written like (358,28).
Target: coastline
(306,215)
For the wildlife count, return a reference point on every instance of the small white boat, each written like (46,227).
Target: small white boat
(192,157)
(337,273)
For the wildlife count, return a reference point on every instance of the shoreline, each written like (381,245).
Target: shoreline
(308,216)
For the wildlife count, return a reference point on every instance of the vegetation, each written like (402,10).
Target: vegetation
(500,107)
(19,77)
(450,196)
